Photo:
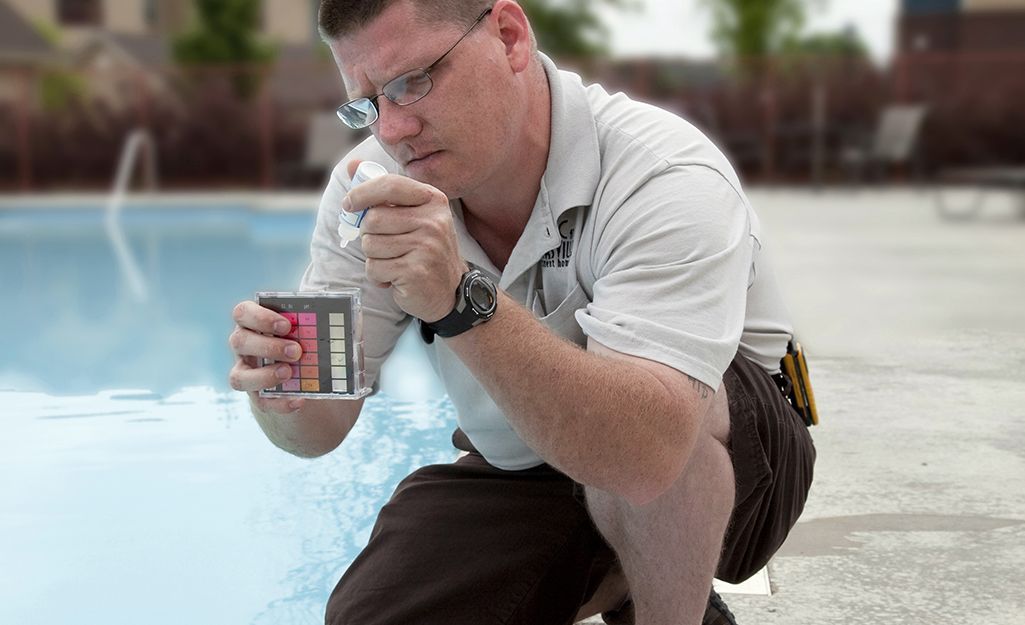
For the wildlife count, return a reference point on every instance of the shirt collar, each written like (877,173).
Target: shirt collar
(574,165)
(571,174)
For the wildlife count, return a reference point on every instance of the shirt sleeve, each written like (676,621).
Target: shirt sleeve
(333,267)
(672,258)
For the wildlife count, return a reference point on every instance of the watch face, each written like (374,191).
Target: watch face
(482,295)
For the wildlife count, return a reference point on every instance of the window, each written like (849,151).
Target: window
(315,17)
(78,12)
(151,14)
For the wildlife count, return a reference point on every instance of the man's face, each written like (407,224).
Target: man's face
(455,137)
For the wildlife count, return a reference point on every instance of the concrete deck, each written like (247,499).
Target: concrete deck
(915,328)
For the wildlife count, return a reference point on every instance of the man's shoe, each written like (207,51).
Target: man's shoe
(716,613)
(624,615)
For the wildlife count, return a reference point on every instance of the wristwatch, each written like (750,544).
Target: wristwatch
(476,302)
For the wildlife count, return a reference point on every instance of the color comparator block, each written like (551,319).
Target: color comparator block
(328,328)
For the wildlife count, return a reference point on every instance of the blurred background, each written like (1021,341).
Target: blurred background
(234,93)
(162,160)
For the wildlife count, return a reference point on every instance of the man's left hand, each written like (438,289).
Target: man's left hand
(410,243)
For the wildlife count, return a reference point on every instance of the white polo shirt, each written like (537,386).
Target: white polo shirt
(641,238)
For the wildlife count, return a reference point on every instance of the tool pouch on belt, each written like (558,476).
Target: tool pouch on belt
(797,385)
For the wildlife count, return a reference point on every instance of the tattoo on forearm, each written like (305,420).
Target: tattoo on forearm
(700,386)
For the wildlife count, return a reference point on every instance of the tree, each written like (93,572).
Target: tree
(225,33)
(570,28)
(58,86)
(845,44)
(755,29)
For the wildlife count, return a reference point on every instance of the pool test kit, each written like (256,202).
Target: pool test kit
(329,327)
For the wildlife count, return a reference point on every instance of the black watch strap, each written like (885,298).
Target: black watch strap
(476,300)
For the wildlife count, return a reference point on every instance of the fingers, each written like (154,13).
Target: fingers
(248,343)
(246,377)
(391,220)
(383,271)
(259,319)
(404,258)
(388,246)
(392,190)
(252,345)
(407,275)
(425,222)
(352,166)
(277,405)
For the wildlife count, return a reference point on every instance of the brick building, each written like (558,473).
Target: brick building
(289,22)
(965,59)
(955,26)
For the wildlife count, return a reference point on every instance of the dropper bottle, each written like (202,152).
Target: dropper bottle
(348,223)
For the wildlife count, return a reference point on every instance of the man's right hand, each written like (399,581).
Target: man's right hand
(259,334)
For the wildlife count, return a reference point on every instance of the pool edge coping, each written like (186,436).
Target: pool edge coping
(272,202)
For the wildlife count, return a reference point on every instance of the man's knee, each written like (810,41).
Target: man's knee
(707,483)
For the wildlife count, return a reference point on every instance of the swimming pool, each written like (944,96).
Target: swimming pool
(134,484)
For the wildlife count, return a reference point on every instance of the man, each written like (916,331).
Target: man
(607,268)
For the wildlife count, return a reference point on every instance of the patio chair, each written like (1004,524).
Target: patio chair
(894,143)
(327,141)
(979,182)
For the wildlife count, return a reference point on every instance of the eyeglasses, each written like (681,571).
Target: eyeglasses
(404,90)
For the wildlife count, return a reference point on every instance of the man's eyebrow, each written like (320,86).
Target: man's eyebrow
(357,90)
(407,66)
(411,64)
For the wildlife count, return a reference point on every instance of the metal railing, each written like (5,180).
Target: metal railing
(138,140)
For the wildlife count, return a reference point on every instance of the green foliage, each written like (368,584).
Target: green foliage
(756,29)
(50,32)
(846,44)
(570,28)
(226,33)
(58,89)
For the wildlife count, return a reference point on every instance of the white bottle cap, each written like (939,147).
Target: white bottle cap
(366,171)
(348,223)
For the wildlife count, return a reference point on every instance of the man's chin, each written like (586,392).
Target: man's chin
(430,175)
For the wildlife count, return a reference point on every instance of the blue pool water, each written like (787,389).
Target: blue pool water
(134,484)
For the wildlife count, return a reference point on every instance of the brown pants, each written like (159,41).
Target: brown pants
(470,544)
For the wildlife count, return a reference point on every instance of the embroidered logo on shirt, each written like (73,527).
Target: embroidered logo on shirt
(559,257)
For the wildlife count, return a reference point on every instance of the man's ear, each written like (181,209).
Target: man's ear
(514,31)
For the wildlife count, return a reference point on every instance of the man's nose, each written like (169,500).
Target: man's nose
(395,123)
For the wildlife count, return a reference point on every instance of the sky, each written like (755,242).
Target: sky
(681,27)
